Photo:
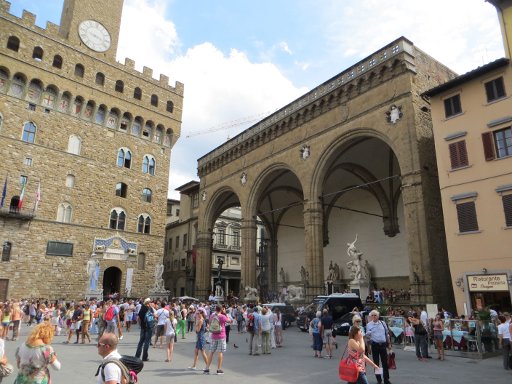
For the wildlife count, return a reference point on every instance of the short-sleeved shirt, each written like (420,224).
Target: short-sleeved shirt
(222,320)
(377,331)
(504,330)
(163,315)
(326,321)
(111,371)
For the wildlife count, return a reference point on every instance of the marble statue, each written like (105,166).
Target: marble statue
(92,273)
(251,294)
(159,281)
(294,293)
(359,270)
(282,275)
(303,274)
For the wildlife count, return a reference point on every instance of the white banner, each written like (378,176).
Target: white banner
(129,279)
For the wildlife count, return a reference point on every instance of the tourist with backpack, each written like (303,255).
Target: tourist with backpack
(217,328)
(147,324)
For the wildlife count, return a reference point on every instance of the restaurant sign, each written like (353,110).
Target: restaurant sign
(478,283)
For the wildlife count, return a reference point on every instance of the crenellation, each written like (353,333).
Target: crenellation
(5,6)
(29,17)
(164,80)
(52,28)
(147,72)
(130,63)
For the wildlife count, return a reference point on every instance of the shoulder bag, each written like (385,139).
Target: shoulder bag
(348,370)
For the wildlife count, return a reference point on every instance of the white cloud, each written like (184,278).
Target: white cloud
(219,88)
(447,30)
(283,45)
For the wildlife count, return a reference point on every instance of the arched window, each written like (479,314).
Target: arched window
(18,85)
(144,224)
(79,104)
(35,89)
(4,77)
(158,134)
(64,213)
(121,189)
(79,70)
(89,109)
(136,126)
(154,100)
(65,101)
(124,158)
(119,86)
(13,43)
(170,106)
(137,93)
(148,165)
(70,181)
(100,114)
(168,137)
(147,132)
(37,53)
(125,122)
(57,61)
(49,97)
(113,118)
(6,251)
(117,219)
(29,132)
(100,79)
(74,144)
(146,195)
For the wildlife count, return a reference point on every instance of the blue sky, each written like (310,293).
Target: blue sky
(241,60)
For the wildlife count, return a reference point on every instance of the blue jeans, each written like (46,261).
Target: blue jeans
(361,379)
(144,340)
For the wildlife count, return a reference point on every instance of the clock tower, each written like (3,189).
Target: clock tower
(92,26)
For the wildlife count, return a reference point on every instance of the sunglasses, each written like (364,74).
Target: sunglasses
(101,345)
(357,321)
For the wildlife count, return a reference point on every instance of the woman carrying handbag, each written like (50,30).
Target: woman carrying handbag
(353,368)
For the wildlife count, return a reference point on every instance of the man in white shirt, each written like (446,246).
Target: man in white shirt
(107,348)
(162,315)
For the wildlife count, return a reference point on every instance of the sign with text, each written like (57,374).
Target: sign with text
(478,283)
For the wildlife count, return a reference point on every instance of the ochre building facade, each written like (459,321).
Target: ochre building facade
(86,146)
(353,158)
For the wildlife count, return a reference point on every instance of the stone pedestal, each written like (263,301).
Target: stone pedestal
(94,294)
(159,294)
(361,287)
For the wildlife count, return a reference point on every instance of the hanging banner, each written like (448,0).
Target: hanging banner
(479,283)
(129,279)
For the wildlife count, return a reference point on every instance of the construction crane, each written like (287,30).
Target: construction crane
(230,124)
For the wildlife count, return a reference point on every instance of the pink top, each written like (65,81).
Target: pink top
(222,320)
(358,358)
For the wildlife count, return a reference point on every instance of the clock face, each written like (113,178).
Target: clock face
(94,35)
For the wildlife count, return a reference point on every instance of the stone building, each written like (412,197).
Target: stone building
(352,157)
(473,137)
(94,137)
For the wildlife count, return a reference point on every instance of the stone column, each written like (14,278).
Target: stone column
(417,240)
(313,232)
(248,255)
(203,264)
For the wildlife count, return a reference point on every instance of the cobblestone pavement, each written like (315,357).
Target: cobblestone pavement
(294,363)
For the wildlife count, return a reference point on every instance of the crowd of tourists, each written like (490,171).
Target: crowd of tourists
(160,324)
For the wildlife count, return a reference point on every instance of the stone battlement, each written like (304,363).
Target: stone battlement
(52,32)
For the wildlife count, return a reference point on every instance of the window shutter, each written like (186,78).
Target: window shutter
(458,154)
(507,208)
(466,214)
(487,139)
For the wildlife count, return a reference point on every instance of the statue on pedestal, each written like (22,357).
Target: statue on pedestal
(359,270)
(303,274)
(92,269)
(159,281)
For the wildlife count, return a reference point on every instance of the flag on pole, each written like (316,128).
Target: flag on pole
(22,194)
(4,193)
(38,196)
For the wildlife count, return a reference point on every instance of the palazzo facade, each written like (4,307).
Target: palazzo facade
(85,144)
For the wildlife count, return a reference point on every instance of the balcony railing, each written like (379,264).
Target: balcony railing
(17,213)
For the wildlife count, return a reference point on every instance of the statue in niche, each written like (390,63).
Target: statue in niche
(303,274)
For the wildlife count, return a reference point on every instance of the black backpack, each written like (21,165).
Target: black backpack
(130,367)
